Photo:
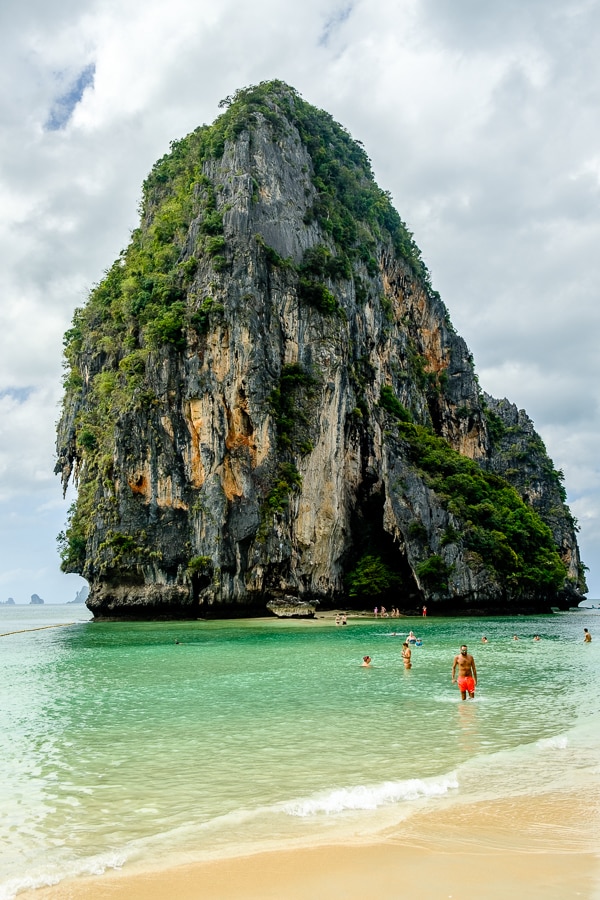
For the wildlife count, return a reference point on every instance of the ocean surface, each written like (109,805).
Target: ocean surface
(128,743)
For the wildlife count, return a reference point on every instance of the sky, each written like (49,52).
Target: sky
(480,119)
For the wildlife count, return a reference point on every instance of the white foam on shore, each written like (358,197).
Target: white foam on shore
(371,796)
(485,776)
(95,865)
(560,742)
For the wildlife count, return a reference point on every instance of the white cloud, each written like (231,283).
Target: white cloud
(481,119)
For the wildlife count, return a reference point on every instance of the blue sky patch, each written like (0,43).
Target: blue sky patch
(20,394)
(334,22)
(64,105)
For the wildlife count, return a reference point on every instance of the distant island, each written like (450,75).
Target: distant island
(35,600)
(81,596)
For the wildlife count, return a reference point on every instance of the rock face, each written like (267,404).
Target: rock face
(36,600)
(291,608)
(267,402)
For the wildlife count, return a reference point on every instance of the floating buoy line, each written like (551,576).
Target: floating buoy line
(39,628)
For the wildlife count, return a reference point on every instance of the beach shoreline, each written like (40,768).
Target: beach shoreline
(541,849)
(250,763)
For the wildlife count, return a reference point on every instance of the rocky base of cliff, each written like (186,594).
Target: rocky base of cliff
(291,608)
(137,602)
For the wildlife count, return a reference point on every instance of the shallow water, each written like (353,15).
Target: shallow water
(119,744)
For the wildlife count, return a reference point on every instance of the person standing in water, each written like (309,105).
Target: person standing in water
(406,654)
(467,673)
(586,636)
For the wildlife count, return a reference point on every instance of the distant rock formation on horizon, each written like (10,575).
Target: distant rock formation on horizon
(9,602)
(81,596)
(36,600)
(266,402)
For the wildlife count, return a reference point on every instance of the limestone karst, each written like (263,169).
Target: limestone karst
(266,401)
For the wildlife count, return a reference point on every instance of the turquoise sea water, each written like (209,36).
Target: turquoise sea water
(119,745)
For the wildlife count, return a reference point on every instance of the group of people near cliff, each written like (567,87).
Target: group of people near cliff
(394,612)
(463,661)
(464,670)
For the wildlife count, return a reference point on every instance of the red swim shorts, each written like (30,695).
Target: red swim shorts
(466,683)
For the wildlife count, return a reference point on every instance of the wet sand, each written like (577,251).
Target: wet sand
(543,847)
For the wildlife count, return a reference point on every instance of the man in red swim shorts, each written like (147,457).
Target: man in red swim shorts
(467,673)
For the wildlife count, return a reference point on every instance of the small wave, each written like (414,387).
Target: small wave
(95,865)
(560,742)
(370,796)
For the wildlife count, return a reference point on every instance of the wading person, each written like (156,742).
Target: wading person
(406,654)
(467,673)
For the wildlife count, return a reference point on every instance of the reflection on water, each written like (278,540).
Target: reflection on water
(468,733)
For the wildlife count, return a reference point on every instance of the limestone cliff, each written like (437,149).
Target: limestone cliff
(266,401)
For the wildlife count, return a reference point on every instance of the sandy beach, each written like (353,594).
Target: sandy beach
(543,850)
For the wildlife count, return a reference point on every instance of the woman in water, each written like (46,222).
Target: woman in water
(406,654)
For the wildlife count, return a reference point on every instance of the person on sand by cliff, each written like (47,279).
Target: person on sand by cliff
(467,673)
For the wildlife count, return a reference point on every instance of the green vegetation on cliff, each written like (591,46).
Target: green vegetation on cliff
(292,402)
(499,530)
(372,578)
